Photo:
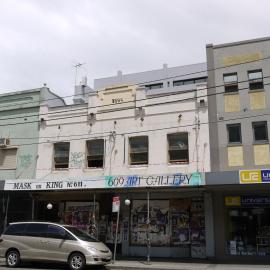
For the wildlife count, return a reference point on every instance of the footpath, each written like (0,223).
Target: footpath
(162,265)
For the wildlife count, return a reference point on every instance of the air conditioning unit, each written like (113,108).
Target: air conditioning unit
(4,142)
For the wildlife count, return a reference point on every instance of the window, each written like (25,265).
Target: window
(8,158)
(234,133)
(15,229)
(56,232)
(36,230)
(230,82)
(138,147)
(189,81)
(61,155)
(154,86)
(260,131)
(178,147)
(95,153)
(255,78)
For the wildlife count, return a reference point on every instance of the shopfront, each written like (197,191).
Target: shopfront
(241,203)
(176,226)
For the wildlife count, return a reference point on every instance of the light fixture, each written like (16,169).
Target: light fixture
(127,202)
(49,206)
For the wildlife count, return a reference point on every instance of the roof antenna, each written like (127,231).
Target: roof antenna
(77,66)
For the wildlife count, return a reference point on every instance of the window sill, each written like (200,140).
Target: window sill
(231,93)
(177,164)
(234,144)
(93,169)
(256,90)
(60,170)
(143,166)
(260,142)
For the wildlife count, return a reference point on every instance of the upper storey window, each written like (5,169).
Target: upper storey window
(138,150)
(61,155)
(154,86)
(255,78)
(230,82)
(95,153)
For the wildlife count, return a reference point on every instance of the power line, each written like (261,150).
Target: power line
(157,80)
(138,131)
(121,109)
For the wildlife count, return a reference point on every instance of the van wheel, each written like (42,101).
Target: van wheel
(76,261)
(13,258)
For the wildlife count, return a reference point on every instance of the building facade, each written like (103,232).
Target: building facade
(239,106)
(19,136)
(141,142)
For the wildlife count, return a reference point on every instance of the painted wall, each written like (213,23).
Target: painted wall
(250,106)
(161,115)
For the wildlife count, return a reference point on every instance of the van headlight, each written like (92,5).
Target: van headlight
(92,249)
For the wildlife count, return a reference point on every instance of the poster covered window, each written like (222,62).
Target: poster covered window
(159,229)
(83,215)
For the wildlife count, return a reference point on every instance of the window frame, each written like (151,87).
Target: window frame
(143,163)
(266,130)
(16,158)
(229,86)
(170,161)
(88,154)
(254,82)
(54,163)
(228,133)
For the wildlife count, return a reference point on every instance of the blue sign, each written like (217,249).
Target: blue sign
(265,176)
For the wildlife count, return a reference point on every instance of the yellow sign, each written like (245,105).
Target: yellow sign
(250,177)
(232,201)
(239,59)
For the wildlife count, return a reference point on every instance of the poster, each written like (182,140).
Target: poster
(159,229)
(83,215)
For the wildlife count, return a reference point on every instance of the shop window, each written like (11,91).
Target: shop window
(8,158)
(95,153)
(248,226)
(255,78)
(234,134)
(260,133)
(230,82)
(178,147)
(61,155)
(138,150)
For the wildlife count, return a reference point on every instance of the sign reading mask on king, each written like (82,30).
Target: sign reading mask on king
(126,181)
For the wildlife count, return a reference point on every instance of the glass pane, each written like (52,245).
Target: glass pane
(56,232)
(138,144)
(177,83)
(255,75)
(178,141)
(61,150)
(16,229)
(95,147)
(36,230)
(234,133)
(140,158)
(188,82)
(260,131)
(230,78)
(180,156)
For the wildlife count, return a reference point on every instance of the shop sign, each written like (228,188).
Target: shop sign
(126,181)
(116,204)
(255,200)
(254,176)
(232,201)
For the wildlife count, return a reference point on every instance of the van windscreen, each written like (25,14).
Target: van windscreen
(81,234)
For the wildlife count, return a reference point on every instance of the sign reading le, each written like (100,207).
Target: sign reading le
(254,176)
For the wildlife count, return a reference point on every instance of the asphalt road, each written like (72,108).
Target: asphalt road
(46,266)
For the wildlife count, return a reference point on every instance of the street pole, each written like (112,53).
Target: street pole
(6,215)
(148,229)
(116,234)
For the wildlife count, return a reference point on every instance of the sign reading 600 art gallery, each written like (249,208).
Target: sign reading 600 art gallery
(122,181)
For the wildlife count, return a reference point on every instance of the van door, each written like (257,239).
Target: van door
(59,245)
(34,240)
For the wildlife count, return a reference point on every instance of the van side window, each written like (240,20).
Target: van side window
(36,230)
(56,232)
(15,229)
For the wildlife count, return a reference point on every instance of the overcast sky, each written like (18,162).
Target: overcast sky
(41,40)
